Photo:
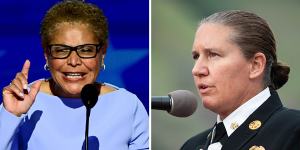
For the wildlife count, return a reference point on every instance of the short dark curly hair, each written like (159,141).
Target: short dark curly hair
(74,12)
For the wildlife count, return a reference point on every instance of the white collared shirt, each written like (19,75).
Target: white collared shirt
(238,116)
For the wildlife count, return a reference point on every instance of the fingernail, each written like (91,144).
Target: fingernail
(25,86)
(21,94)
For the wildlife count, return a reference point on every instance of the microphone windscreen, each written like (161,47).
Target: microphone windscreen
(89,95)
(184,103)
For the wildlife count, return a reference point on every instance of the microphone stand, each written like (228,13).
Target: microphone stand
(89,96)
(88,112)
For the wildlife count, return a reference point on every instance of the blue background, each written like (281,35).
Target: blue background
(127,59)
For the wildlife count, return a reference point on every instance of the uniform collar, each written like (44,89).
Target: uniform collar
(253,123)
(238,116)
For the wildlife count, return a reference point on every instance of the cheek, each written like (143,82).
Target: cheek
(92,65)
(231,78)
(229,70)
(56,64)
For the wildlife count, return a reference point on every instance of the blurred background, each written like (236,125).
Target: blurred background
(174,23)
(127,59)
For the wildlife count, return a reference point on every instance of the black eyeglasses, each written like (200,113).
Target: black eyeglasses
(61,51)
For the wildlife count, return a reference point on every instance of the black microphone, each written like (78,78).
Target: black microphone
(89,96)
(179,103)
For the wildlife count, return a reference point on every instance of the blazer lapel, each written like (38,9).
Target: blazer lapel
(207,142)
(246,131)
(208,139)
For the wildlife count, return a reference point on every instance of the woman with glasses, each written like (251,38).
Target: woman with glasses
(49,114)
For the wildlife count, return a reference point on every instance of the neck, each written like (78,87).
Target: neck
(58,91)
(251,92)
(50,87)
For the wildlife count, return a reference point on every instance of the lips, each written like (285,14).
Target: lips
(204,88)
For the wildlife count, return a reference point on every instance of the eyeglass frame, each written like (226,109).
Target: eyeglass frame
(73,48)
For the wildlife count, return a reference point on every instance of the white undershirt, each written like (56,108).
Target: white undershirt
(238,116)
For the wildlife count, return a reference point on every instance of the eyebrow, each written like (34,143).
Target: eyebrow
(194,52)
(205,50)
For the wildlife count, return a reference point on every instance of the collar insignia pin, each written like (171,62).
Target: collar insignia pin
(254,124)
(257,148)
(234,125)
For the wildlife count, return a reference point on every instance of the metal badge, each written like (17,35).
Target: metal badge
(234,125)
(257,148)
(254,124)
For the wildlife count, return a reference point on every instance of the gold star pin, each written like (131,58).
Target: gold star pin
(254,125)
(234,125)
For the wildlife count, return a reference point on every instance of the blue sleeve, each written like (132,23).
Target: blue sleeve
(140,136)
(9,125)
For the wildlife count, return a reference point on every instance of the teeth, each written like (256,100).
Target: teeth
(73,75)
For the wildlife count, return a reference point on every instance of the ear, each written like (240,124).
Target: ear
(103,51)
(104,48)
(258,64)
(102,59)
(46,56)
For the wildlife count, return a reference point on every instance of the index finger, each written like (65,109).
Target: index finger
(25,68)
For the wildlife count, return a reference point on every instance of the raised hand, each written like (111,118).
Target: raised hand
(16,97)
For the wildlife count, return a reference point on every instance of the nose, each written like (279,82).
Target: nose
(74,59)
(200,68)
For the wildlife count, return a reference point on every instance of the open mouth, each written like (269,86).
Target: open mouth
(74,75)
(204,89)
(202,86)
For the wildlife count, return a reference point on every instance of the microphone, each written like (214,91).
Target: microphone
(179,103)
(89,96)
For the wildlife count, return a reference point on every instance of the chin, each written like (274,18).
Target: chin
(71,87)
(72,91)
(209,103)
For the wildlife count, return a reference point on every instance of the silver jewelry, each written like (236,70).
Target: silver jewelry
(102,63)
(103,67)
(46,67)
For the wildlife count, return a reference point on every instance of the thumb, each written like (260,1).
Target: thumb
(35,89)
